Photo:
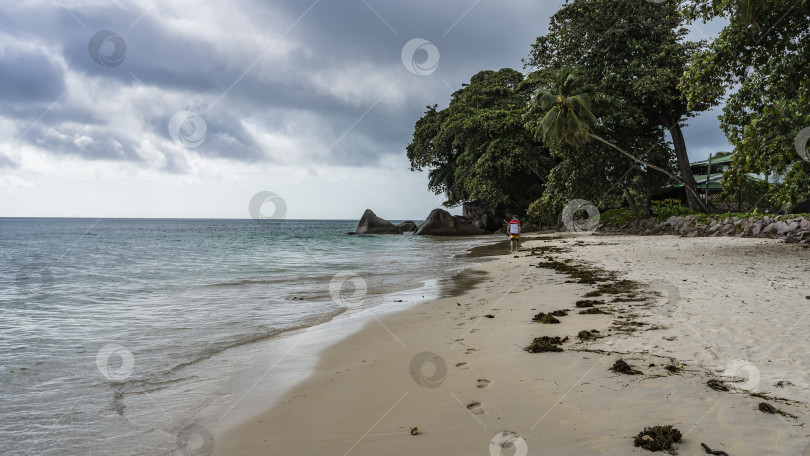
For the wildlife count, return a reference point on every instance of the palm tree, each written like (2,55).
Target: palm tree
(566,118)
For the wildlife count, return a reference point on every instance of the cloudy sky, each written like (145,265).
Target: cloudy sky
(181,108)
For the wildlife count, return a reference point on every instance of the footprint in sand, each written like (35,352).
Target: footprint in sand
(462,366)
(470,350)
(482,383)
(475,408)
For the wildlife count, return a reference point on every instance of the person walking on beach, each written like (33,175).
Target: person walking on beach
(513,229)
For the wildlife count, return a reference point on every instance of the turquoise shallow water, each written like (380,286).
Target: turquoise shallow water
(98,316)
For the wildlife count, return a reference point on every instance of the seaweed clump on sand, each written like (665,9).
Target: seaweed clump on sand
(672,368)
(592,311)
(548,318)
(545,318)
(588,303)
(717,385)
(623,286)
(657,438)
(576,271)
(588,335)
(765,407)
(546,344)
(621,367)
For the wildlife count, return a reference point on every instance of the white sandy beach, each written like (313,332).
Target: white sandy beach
(728,307)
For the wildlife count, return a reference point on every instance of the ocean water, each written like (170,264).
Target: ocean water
(114,333)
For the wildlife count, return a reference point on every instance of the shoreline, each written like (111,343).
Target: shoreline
(361,398)
(291,357)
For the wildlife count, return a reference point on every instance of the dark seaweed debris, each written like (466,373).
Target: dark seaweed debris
(546,344)
(657,438)
(768,408)
(581,273)
(717,385)
(619,287)
(588,335)
(592,311)
(546,319)
(621,367)
(588,303)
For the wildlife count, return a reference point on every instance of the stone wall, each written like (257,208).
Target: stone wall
(786,227)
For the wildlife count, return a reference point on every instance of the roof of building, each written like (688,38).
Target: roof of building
(715,161)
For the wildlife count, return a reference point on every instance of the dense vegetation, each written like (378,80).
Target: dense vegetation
(600,111)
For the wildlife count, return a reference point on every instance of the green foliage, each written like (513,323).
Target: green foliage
(664,209)
(478,148)
(762,58)
(561,112)
(742,187)
(630,55)
(617,217)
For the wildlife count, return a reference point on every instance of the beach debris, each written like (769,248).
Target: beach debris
(397,300)
(592,311)
(545,318)
(588,335)
(621,367)
(717,385)
(489,316)
(657,438)
(588,303)
(546,344)
(672,368)
(710,451)
(765,407)
(582,273)
(414,430)
(624,286)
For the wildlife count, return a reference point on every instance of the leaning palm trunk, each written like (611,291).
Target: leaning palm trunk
(648,164)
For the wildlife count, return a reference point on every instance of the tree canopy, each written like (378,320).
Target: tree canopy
(762,58)
(633,53)
(478,149)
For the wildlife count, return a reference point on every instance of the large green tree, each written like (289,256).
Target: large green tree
(762,58)
(478,149)
(633,52)
(560,113)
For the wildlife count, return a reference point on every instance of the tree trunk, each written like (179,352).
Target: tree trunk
(692,189)
(630,202)
(683,166)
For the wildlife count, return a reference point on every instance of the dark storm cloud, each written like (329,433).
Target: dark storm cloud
(334,81)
